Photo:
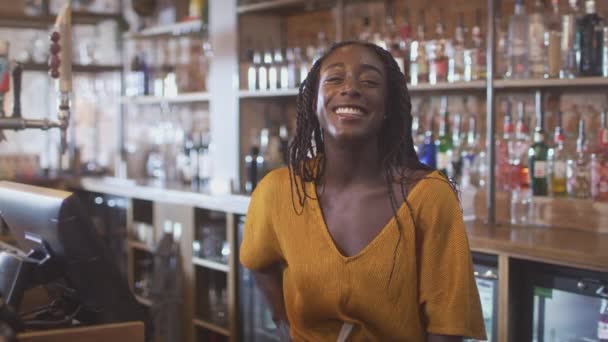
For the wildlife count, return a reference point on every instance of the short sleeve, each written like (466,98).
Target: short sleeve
(260,246)
(448,294)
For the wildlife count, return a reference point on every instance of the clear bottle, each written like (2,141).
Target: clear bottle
(605,53)
(282,69)
(419,64)
(501,45)
(520,175)
(579,169)
(469,174)
(366,30)
(251,163)
(590,41)
(558,161)
(263,74)
(292,68)
(458,143)
(438,59)
(479,49)
(456,57)
(569,41)
(405,43)
(253,72)
(536,40)
(553,38)
(503,152)
(445,145)
(273,70)
(518,43)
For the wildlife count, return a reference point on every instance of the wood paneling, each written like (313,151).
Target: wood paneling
(120,332)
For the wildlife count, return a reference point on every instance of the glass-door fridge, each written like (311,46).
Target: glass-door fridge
(485,267)
(255,316)
(568,305)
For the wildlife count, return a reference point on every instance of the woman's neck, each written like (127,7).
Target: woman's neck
(355,163)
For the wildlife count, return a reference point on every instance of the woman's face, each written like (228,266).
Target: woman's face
(352,92)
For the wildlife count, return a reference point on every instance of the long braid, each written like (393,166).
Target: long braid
(396,146)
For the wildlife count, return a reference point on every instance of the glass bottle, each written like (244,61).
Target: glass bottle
(445,145)
(469,174)
(518,43)
(366,31)
(272,67)
(558,160)
(458,143)
(419,64)
(501,45)
(579,170)
(536,40)
(590,41)
(292,68)
(253,71)
(553,42)
(251,163)
(282,69)
(569,46)
(456,58)
(428,151)
(405,43)
(393,42)
(438,60)
(599,163)
(479,50)
(503,152)
(520,175)
(263,73)
(537,159)
(245,66)
(605,53)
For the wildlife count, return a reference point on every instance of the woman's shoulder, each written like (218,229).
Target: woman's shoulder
(273,185)
(433,188)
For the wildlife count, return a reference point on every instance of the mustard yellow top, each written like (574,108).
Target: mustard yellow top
(433,288)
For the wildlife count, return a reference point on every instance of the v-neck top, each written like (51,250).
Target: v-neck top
(432,288)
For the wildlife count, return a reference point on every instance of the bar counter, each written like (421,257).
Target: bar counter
(558,246)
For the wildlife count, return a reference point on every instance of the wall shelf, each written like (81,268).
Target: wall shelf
(143,300)
(210,264)
(181,98)
(46,21)
(446,86)
(251,94)
(140,246)
(272,5)
(75,68)
(570,83)
(177,29)
(210,326)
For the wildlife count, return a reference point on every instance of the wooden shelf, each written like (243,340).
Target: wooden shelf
(210,326)
(177,29)
(75,68)
(46,21)
(140,246)
(213,265)
(181,98)
(274,5)
(570,83)
(446,86)
(252,94)
(143,300)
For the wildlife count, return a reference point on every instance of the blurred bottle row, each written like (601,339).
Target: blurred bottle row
(168,67)
(546,43)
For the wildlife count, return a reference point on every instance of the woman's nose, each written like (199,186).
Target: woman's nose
(350,88)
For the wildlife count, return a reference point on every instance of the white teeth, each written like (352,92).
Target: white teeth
(349,110)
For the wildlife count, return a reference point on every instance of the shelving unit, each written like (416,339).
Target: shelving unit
(75,68)
(210,264)
(44,22)
(213,327)
(273,6)
(181,98)
(177,29)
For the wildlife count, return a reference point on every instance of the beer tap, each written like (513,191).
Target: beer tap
(60,68)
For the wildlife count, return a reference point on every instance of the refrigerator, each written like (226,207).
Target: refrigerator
(485,268)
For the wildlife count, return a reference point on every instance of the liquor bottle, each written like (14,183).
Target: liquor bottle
(570,49)
(273,71)
(553,42)
(504,148)
(558,161)
(366,31)
(205,161)
(393,43)
(445,145)
(536,40)
(501,45)
(518,43)
(263,74)
(590,41)
(292,68)
(322,44)
(251,164)
(419,64)
(605,53)
(253,81)
(456,58)
(469,173)
(599,164)
(479,49)
(579,171)
(438,60)
(538,155)
(602,322)
(428,151)
(282,69)
(458,143)
(520,175)
(405,44)
(245,66)
(194,159)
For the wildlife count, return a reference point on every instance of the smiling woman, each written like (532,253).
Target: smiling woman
(357,240)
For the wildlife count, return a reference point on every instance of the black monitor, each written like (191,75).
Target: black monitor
(54,231)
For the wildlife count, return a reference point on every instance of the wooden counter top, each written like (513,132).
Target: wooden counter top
(586,250)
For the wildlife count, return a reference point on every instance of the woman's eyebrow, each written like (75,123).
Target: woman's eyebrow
(335,65)
(373,68)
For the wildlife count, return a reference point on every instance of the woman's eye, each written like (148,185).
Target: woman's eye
(370,82)
(333,79)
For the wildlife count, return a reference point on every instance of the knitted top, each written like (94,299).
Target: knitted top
(432,289)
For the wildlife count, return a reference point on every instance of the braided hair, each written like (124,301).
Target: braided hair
(396,146)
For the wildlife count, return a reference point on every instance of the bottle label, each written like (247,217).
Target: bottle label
(540,169)
(518,47)
(559,170)
(602,331)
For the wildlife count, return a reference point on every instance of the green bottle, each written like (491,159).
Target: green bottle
(538,155)
(445,145)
